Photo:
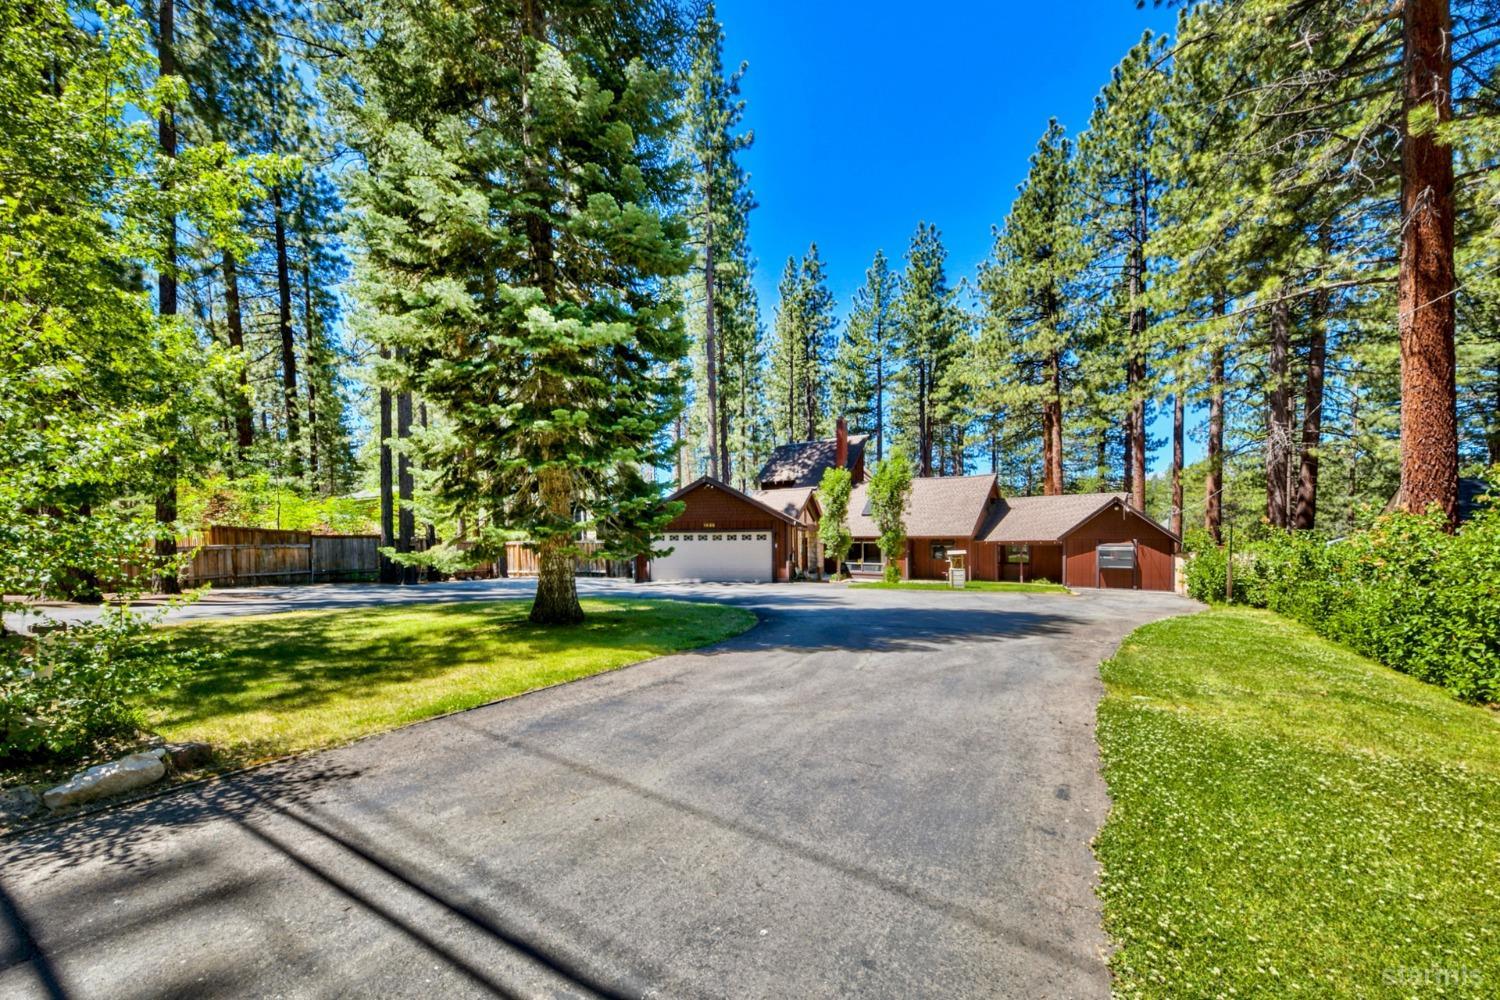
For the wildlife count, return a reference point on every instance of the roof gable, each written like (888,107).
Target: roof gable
(709,482)
(1017,520)
(792,500)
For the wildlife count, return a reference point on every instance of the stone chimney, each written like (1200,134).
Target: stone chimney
(841,444)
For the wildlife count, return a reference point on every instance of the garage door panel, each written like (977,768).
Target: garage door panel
(715,556)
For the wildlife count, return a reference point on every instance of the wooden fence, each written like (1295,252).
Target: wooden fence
(240,557)
(521,560)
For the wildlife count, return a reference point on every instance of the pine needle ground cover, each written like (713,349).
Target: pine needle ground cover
(1000,586)
(1292,819)
(288,683)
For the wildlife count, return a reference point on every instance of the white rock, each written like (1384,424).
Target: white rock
(123,775)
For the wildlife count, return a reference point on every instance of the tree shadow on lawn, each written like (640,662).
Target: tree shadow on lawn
(305,660)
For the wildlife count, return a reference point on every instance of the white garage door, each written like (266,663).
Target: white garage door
(715,555)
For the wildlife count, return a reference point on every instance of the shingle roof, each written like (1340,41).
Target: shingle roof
(789,500)
(1044,519)
(939,507)
(802,463)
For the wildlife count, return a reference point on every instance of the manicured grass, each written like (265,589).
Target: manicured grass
(1002,586)
(1291,819)
(292,682)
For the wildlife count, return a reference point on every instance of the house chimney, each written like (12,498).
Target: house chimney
(841,444)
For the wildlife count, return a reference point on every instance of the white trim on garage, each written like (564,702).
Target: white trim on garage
(715,557)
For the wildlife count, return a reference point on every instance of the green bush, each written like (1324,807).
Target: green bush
(62,688)
(1403,592)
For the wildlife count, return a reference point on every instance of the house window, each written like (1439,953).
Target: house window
(1018,553)
(939,551)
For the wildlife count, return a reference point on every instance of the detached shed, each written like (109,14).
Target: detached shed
(1083,540)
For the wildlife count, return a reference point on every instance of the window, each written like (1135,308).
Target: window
(1018,553)
(939,551)
(718,538)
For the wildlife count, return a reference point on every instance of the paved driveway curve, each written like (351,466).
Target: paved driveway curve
(872,793)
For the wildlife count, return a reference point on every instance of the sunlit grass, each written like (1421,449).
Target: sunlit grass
(1001,586)
(1291,819)
(293,682)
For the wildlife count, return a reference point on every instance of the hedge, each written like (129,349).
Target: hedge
(1402,591)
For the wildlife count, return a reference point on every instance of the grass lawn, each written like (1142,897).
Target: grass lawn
(1291,819)
(292,682)
(1000,586)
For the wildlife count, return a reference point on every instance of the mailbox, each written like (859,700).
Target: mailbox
(1117,556)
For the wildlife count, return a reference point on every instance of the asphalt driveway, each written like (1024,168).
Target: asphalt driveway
(873,793)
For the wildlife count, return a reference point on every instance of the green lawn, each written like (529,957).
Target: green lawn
(1000,586)
(292,682)
(1291,819)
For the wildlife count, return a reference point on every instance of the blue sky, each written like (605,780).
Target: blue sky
(872,116)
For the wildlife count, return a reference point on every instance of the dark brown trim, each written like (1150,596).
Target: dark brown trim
(710,481)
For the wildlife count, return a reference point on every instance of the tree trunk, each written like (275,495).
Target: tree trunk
(312,340)
(288,345)
(1425,285)
(1052,427)
(166,135)
(1306,513)
(244,421)
(556,601)
(1279,417)
(389,572)
(1178,418)
(879,403)
(710,340)
(1213,484)
(406,518)
(1127,481)
(1137,432)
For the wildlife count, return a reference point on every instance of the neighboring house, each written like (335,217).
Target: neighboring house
(1082,540)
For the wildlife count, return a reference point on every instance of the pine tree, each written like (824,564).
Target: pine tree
(721,205)
(518,248)
(800,377)
(929,337)
(1029,291)
(865,361)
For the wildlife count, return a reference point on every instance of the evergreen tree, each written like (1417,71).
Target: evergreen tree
(866,359)
(721,204)
(929,337)
(519,251)
(800,378)
(1029,291)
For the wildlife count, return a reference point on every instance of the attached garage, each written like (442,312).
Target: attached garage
(716,556)
(723,535)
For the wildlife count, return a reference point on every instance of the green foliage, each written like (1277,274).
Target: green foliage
(63,688)
(1403,592)
(1291,819)
(931,332)
(519,249)
(889,491)
(259,501)
(833,527)
(800,376)
(866,358)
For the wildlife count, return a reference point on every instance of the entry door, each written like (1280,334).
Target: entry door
(715,556)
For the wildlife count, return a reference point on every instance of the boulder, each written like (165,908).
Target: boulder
(123,775)
(189,756)
(17,803)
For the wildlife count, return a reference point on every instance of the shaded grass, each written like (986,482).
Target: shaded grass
(1002,586)
(1292,819)
(288,683)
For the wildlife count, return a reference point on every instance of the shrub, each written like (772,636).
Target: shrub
(63,687)
(1403,592)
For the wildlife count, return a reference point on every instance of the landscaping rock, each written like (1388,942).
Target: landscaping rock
(18,803)
(189,756)
(123,775)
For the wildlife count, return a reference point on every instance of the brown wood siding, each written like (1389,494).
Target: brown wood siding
(1046,564)
(1154,552)
(708,508)
(923,566)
